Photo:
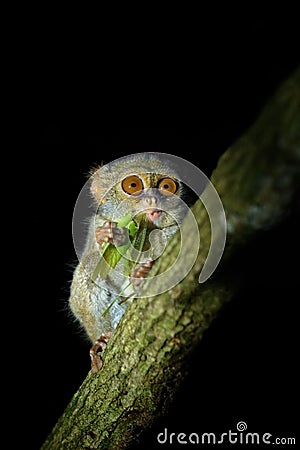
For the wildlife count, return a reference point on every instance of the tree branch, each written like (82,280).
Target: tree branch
(258,179)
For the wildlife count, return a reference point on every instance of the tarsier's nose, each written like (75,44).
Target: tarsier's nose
(151,207)
(151,200)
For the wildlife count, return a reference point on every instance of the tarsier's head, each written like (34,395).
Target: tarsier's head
(141,183)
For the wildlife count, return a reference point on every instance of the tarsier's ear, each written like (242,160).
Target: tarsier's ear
(94,169)
(96,185)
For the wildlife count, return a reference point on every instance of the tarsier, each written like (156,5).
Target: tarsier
(148,191)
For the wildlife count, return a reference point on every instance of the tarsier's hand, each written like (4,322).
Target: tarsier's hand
(140,272)
(109,232)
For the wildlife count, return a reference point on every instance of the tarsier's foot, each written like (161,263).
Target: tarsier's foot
(98,347)
(109,232)
(140,271)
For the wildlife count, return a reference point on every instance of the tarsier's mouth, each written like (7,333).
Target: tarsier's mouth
(153,214)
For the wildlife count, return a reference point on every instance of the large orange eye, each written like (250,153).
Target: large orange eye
(168,185)
(132,184)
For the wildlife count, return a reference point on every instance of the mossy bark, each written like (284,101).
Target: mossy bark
(258,180)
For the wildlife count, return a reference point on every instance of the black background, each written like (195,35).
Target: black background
(205,86)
